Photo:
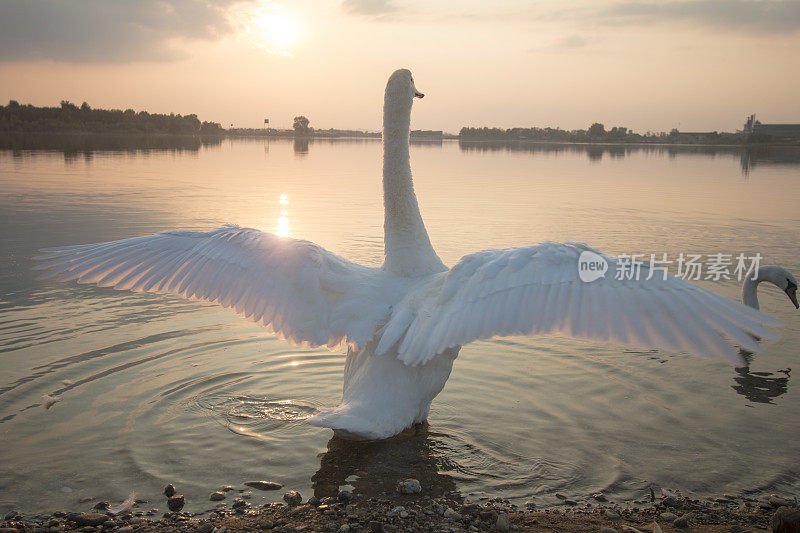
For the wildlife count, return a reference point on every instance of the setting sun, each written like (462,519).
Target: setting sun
(276,31)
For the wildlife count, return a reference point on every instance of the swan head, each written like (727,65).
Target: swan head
(782,278)
(401,89)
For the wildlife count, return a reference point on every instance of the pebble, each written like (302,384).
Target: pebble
(239,504)
(217,496)
(560,496)
(396,511)
(450,514)
(176,502)
(344,496)
(313,501)
(344,529)
(125,529)
(599,496)
(299,510)
(671,501)
(205,528)
(293,498)
(608,530)
(169,490)
(409,486)
(503,523)
(777,501)
(226,488)
(612,515)
(668,517)
(264,485)
(89,519)
(681,522)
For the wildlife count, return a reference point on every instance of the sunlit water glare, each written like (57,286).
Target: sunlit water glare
(159,390)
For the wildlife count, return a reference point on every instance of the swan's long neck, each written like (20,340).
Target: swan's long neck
(769,273)
(750,292)
(407,247)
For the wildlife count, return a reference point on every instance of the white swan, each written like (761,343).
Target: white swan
(404,323)
(778,276)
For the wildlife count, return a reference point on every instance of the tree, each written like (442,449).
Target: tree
(618,133)
(597,130)
(301,125)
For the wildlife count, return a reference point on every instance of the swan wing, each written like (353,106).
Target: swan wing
(537,290)
(295,288)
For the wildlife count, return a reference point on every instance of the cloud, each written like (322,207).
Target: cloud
(573,41)
(372,8)
(86,31)
(755,16)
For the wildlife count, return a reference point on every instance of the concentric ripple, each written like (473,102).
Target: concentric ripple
(255,416)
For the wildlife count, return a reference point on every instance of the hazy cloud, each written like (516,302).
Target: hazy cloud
(369,7)
(573,41)
(106,30)
(762,16)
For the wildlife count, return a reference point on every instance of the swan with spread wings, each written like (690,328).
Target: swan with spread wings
(404,323)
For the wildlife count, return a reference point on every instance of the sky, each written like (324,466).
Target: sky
(695,65)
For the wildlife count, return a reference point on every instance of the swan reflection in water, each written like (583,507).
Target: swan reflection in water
(760,387)
(374,467)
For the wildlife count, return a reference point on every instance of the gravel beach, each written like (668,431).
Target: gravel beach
(412,507)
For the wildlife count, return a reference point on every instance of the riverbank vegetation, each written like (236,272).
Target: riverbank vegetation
(70,118)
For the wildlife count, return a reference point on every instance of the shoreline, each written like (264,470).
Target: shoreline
(410,507)
(367,136)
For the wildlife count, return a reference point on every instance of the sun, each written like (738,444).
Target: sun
(276,31)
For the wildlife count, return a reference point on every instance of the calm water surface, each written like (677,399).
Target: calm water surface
(157,390)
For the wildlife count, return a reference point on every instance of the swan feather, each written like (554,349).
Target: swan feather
(482,291)
(287,285)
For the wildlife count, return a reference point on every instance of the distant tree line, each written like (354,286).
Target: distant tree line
(68,117)
(596,133)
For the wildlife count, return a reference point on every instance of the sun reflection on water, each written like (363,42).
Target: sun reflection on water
(283,219)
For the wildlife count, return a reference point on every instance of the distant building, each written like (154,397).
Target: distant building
(781,132)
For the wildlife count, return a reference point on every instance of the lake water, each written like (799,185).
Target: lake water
(159,390)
